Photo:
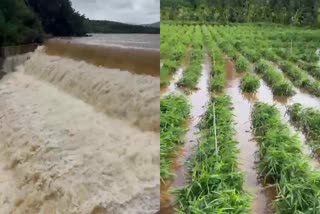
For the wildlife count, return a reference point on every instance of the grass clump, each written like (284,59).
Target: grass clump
(300,78)
(192,74)
(167,69)
(216,185)
(217,81)
(283,164)
(311,68)
(242,64)
(250,83)
(308,121)
(275,79)
(174,111)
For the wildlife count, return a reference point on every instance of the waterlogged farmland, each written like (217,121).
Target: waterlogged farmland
(240,115)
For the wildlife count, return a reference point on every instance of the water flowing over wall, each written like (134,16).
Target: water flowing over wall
(11,62)
(120,94)
(59,155)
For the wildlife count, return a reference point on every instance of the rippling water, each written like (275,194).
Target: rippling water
(128,40)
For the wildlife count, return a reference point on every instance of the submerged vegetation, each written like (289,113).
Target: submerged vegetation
(285,59)
(283,164)
(174,112)
(250,83)
(216,183)
(276,80)
(308,121)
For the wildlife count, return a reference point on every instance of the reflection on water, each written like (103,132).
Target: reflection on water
(125,40)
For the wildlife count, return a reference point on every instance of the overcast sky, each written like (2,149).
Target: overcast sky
(128,11)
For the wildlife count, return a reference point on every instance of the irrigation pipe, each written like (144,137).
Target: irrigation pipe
(215,129)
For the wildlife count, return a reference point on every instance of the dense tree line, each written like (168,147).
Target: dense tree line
(18,23)
(58,17)
(95,26)
(27,21)
(297,12)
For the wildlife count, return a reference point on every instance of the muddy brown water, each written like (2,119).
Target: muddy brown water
(243,104)
(198,100)
(150,41)
(136,60)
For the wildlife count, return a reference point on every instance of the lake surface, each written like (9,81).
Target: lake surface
(149,41)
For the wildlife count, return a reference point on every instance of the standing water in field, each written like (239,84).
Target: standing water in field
(173,83)
(198,100)
(243,104)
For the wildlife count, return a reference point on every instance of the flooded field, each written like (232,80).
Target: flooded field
(255,157)
(77,137)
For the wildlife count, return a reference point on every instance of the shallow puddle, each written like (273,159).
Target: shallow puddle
(173,83)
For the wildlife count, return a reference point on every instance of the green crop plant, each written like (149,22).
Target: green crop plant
(242,64)
(300,78)
(308,121)
(311,68)
(275,79)
(217,81)
(174,112)
(216,185)
(283,164)
(167,69)
(193,72)
(250,83)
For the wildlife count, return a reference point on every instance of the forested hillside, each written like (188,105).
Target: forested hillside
(18,23)
(58,17)
(99,26)
(26,21)
(297,12)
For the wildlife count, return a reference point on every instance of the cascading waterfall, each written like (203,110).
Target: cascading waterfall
(59,155)
(120,94)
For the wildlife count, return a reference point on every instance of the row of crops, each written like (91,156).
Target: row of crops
(285,58)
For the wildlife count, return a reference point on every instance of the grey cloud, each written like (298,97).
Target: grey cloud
(128,11)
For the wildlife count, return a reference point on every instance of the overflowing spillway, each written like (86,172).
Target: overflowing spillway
(121,94)
(77,138)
